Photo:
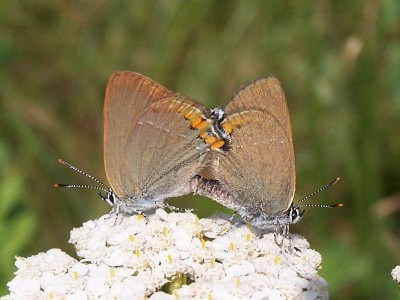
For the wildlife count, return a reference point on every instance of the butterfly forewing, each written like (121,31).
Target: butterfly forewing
(259,167)
(163,151)
(264,94)
(127,95)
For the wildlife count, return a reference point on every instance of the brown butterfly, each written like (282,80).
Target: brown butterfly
(155,141)
(256,176)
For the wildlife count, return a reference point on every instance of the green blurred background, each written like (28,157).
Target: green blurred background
(338,61)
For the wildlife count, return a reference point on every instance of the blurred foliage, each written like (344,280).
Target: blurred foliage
(338,61)
(17,224)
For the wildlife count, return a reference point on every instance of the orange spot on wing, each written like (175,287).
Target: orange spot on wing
(211,140)
(217,144)
(195,122)
(202,125)
(203,134)
(189,114)
(227,127)
(236,120)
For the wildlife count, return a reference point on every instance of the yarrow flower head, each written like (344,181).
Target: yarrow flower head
(396,275)
(171,256)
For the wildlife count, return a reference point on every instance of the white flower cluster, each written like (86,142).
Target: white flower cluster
(171,256)
(396,274)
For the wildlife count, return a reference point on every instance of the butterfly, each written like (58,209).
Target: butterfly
(256,175)
(155,141)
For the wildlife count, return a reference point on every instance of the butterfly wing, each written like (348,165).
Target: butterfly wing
(162,150)
(258,171)
(127,95)
(264,94)
(259,168)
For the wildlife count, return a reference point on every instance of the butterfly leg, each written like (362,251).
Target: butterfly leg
(279,232)
(232,216)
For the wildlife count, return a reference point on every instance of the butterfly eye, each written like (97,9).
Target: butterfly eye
(295,214)
(109,198)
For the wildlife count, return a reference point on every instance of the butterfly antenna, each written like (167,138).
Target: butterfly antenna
(327,186)
(105,188)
